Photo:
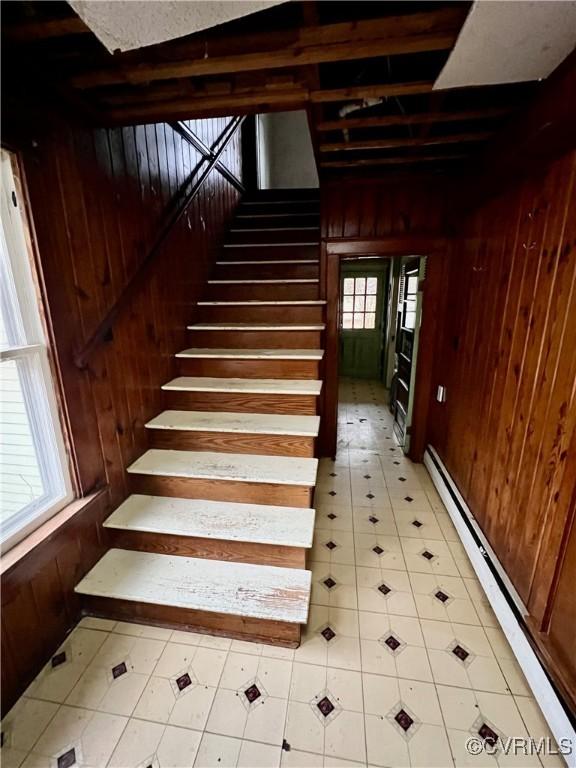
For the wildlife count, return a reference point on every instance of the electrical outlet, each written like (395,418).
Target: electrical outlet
(441,394)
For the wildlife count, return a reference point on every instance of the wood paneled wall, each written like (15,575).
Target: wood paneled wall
(97,199)
(376,208)
(390,217)
(507,432)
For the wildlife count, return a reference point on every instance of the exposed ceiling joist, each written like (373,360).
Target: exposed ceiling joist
(400,160)
(358,68)
(346,146)
(196,106)
(347,41)
(417,119)
(29,31)
(361,92)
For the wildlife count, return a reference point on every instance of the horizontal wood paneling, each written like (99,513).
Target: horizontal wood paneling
(97,199)
(508,360)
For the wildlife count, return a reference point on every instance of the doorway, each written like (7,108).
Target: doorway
(363,288)
(379,326)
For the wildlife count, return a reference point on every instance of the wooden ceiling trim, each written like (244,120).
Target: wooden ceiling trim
(385,121)
(457,138)
(414,33)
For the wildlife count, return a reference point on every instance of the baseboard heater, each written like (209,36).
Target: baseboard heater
(504,600)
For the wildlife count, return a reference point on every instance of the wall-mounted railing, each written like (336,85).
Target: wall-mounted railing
(174,212)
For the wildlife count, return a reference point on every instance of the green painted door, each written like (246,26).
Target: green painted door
(361,317)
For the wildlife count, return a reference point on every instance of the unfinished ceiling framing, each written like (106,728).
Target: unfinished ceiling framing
(364,71)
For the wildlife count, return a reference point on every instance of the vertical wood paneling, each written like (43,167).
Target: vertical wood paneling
(384,208)
(97,198)
(508,359)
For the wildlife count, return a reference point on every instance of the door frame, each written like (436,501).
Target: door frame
(332,251)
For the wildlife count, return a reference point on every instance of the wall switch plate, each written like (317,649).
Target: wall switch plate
(441,394)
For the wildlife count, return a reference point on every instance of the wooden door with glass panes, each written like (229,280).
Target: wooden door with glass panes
(409,308)
(361,321)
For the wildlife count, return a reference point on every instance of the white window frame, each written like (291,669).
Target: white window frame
(27,345)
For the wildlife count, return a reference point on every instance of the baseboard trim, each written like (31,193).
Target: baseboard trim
(504,600)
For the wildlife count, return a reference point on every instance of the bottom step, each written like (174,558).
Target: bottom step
(252,602)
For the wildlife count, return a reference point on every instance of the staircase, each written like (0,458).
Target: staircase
(215,534)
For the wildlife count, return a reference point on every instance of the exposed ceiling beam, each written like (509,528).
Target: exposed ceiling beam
(457,138)
(407,160)
(29,31)
(197,106)
(204,104)
(359,92)
(413,33)
(385,121)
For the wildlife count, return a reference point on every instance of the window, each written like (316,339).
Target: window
(410,300)
(34,476)
(359,303)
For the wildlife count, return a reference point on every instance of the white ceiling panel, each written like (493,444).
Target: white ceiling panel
(128,24)
(510,41)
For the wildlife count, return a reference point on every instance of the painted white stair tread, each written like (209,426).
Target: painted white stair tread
(239,589)
(228,521)
(238,467)
(241,423)
(264,303)
(254,354)
(266,282)
(257,327)
(245,386)
(266,261)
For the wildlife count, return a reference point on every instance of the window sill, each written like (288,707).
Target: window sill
(21,550)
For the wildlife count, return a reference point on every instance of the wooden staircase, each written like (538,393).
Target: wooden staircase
(215,535)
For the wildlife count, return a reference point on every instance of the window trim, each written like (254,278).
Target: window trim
(31,353)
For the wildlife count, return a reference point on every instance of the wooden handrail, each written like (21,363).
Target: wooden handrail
(207,153)
(176,209)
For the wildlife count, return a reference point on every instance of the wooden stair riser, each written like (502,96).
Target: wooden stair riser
(255,630)
(261,292)
(278,253)
(268,221)
(264,271)
(232,442)
(231,402)
(272,236)
(222,490)
(210,549)
(248,369)
(260,314)
(255,339)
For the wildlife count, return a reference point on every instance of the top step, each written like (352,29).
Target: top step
(278,206)
(238,589)
(283,195)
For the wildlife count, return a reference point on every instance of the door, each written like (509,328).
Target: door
(361,332)
(407,332)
